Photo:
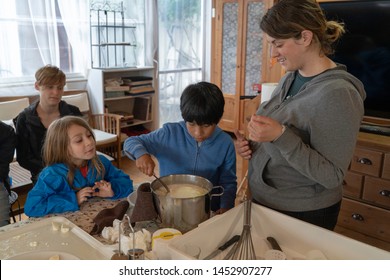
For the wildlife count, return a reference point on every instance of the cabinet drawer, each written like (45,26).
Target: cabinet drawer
(365,219)
(353,184)
(377,191)
(367,161)
(386,167)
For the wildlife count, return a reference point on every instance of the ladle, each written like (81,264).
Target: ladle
(161,182)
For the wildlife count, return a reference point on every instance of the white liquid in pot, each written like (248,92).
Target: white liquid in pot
(183,191)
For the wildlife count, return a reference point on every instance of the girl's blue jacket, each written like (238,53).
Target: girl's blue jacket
(53,194)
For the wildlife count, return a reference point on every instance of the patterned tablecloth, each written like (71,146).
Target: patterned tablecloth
(83,218)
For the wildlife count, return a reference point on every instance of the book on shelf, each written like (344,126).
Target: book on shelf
(113,94)
(117,88)
(142,108)
(126,116)
(141,89)
(137,80)
(140,83)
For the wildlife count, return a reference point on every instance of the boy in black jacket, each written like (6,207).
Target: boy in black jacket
(7,149)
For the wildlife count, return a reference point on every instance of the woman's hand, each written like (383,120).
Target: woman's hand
(84,194)
(264,129)
(145,164)
(103,189)
(242,145)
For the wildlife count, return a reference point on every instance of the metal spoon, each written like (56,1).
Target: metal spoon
(162,183)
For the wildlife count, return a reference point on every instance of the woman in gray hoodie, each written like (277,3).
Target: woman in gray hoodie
(302,139)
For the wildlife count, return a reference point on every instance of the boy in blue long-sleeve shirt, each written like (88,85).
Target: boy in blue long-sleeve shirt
(195,146)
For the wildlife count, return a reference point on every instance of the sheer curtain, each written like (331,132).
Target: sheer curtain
(180,42)
(43,21)
(75,16)
(10,64)
(34,33)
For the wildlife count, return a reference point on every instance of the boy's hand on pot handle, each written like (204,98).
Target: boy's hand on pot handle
(242,145)
(145,164)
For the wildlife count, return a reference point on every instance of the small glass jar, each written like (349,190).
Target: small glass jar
(136,254)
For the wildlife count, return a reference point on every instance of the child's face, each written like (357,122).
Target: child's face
(81,144)
(200,132)
(50,94)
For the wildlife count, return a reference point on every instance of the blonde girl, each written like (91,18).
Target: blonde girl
(73,171)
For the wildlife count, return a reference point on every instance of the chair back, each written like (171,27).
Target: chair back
(10,109)
(79,100)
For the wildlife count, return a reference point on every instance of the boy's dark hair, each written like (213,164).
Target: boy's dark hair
(202,103)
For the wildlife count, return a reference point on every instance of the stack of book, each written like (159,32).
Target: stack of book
(115,85)
(139,84)
(126,116)
(116,88)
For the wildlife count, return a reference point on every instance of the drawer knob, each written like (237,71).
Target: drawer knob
(365,161)
(357,217)
(385,193)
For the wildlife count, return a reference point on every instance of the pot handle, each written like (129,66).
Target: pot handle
(217,194)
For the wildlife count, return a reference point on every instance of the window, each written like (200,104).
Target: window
(36,33)
(180,46)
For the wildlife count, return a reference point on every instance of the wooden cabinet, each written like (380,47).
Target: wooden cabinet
(136,109)
(240,56)
(366,204)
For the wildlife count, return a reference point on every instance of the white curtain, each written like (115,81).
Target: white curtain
(151,45)
(9,62)
(180,45)
(151,32)
(75,16)
(34,33)
(43,19)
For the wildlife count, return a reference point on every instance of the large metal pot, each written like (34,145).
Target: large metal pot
(183,214)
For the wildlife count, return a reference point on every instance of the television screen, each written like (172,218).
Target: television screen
(365,48)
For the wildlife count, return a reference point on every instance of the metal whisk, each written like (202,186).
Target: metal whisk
(244,249)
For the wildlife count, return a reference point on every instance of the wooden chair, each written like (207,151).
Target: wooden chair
(106,126)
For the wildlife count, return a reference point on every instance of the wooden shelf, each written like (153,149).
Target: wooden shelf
(135,122)
(142,106)
(128,96)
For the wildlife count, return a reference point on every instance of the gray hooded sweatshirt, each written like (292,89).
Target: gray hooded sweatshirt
(303,169)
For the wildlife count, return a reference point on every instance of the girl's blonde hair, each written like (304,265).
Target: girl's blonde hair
(56,146)
(288,18)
